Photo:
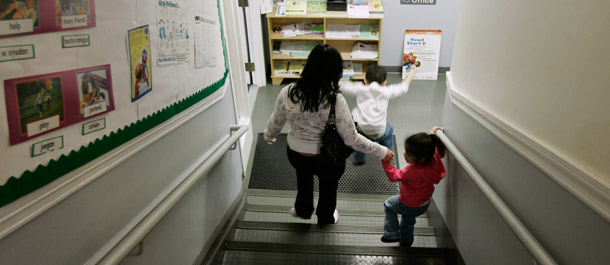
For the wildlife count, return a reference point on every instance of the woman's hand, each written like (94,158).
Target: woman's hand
(272,141)
(389,155)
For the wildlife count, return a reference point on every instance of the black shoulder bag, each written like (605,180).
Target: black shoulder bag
(332,143)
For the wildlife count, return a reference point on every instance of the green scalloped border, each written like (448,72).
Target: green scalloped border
(30,181)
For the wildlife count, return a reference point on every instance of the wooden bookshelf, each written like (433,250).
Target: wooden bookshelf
(344,45)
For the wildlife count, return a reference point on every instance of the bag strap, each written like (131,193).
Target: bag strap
(331,115)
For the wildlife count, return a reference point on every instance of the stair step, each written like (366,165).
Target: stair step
(323,235)
(285,209)
(273,253)
(346,206)
(340,195)
(286,217)
(240,257)
(338,228)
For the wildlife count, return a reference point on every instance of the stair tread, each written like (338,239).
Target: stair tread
(337,228)
(239,257)
(285,216)
(340,195)
(333,249)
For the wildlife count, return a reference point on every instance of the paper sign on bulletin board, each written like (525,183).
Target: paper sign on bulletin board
(36,105)
(422,50)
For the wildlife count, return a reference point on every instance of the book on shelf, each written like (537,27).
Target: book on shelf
(280,11)
(357,11)
(375,7)
(296,67)
(276,46)
(296,8)
(316,6)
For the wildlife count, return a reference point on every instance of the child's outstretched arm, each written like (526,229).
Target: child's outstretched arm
(410,76)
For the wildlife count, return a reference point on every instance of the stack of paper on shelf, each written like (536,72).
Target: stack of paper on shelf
(357,11)
(291,30)
(375,7)
(296,8)
(296,48)
(341,31)
(369,31)
(364,51)
(290,68)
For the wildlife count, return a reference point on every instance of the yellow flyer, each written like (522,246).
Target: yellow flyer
(141,73)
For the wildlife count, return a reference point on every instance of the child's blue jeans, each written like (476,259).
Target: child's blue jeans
(391,229)
(387,140)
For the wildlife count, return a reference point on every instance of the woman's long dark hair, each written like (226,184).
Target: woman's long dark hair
(422,146)
(319,79)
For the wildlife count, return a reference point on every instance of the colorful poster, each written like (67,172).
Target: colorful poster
(141,73)
(23,17)
(36,105)
(174,32)
(421,50)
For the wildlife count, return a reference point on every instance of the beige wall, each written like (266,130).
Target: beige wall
(541,67)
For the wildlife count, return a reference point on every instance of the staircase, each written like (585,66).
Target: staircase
(267,234)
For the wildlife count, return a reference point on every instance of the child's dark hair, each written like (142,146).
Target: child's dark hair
(375,73)
(422,146)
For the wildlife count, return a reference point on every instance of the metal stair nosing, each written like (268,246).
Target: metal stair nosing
(303,227)
(340,195)
(285,209)
(332,249)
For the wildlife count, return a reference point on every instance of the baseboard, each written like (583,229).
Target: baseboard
(211,248)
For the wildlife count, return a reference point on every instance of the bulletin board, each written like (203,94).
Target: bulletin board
(71,94)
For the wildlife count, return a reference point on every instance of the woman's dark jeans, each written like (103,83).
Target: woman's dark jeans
(328,178)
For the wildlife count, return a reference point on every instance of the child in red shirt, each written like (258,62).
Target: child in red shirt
(423,152)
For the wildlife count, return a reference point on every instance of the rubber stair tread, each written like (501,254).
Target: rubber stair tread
(340,195)
(286,209)
(326,249)
(337,228)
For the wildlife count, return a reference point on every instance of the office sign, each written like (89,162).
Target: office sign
(418,2)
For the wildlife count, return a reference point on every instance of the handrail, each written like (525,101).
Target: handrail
(527,239)
(137,234)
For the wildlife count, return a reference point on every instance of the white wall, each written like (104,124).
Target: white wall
(570,231)
(74,230)
(541,67)
(528,108)
(398,18)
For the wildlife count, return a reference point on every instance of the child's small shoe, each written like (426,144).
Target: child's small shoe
(389,240)
(358,163)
